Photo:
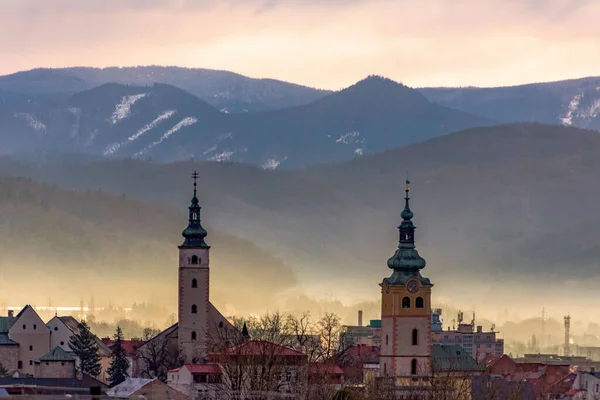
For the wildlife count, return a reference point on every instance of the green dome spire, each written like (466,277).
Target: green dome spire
(194,234)
(406,257)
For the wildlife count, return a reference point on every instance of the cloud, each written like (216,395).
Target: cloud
(324,43)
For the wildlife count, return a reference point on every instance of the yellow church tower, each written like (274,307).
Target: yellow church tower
(406,309)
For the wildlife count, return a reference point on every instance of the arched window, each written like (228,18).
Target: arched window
(194,309)
(413,367)
(386,339)
(193,335)
(419,302)
(194,260)
(194,283)
(406,302)
(384,369)
(415,337)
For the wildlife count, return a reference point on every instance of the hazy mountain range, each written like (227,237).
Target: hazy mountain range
(175,114)
(498,208)
(165,123)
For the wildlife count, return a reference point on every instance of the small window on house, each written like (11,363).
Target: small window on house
(220,324)
(194,259)
(24,326)
(415,337)
(20,364)
(194,309)
(55,328)
(34,326)
(406,302)
(30,348)
(194,283)
(30,362)
(413,367)
(384,369)
(62,343)
(62,363)
(419,302)
(193,335)
(47,363)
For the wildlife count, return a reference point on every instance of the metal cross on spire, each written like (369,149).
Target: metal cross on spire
(195,177)
(407,186)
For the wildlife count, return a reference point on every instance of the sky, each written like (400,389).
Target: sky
(321,43)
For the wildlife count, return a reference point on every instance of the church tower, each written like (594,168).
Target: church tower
(406,308)
(192,333)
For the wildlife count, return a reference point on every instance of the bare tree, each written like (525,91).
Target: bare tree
(157,356)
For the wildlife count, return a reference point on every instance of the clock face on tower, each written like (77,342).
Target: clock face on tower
(413,286)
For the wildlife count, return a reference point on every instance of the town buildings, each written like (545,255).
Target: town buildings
(477,343)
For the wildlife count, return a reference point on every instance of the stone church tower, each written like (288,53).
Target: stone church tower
(193,309)
(406,309)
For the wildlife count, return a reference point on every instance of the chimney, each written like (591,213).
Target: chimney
(359,317)
(11,317)
(479,328)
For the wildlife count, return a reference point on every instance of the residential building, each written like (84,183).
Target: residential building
(130,347)
(369,335)
(199,381)
(63,328)
(31,336)
(477,343)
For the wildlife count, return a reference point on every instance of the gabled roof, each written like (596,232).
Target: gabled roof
(452,358)
(73,325)
(6,341)
(128,387)
(57,354)
(130,346)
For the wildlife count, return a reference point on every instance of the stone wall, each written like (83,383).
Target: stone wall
(55,369)
(9,356)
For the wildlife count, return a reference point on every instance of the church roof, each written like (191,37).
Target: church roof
(3,324)
(58,354)
(406,256)
(194,234)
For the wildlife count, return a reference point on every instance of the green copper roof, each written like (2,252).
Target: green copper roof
(406,258)
(452,358)
(57,354)
(4,324)
(6,341)
(194,234)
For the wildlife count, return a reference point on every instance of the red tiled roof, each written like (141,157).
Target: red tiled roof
(130,346)
(204,369)
(492,358)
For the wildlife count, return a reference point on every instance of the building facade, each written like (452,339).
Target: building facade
(406,309)
(477,343)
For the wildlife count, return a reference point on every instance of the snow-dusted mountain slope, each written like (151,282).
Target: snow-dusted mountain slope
(573,102)
(226,91)
(164,123)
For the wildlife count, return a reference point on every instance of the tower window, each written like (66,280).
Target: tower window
(386,340)
(194,283)
(194,309)
(413,367)
(406,302)
(415,337)
(194,260)
(419,302)
(193,335)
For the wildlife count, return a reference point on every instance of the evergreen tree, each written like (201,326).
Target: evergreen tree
(119,365)
(85,347)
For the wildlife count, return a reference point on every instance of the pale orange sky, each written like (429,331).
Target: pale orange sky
(322,43)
